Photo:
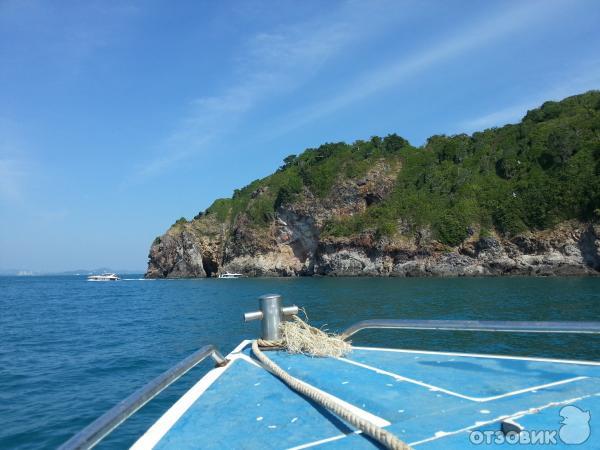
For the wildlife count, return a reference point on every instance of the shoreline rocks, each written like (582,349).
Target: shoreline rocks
(571,249)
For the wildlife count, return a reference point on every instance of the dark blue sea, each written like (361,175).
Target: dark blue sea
(71,349)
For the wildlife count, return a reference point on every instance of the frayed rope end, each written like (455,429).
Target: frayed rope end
(299,337)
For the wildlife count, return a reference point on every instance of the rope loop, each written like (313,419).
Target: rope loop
(384,437)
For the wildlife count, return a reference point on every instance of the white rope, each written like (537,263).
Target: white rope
(384,437)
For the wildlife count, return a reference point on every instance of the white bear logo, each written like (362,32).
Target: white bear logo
(575,427)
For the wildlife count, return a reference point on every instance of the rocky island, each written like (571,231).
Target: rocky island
(523,199)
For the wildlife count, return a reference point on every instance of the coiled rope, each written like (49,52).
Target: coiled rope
(384,437)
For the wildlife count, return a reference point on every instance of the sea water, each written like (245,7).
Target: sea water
(71,349)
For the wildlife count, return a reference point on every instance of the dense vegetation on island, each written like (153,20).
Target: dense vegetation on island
(530,175)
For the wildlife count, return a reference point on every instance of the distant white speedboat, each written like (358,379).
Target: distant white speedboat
(104,277)
(231,275)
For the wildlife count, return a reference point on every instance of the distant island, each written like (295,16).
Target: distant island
(29,273)
(523,199)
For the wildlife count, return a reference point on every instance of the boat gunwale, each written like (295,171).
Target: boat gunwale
(169,418)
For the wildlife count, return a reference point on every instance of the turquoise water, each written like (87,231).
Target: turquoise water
(70,349)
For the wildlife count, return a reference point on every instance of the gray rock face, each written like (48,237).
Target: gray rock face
(176,257)
(571,249)
(297,250)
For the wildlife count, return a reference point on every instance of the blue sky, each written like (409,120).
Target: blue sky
(117,118)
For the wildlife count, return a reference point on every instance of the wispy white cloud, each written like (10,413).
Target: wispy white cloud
(493,27)
(500,117)
(279,61)
(269,64)
(577,80)
(13,169)
(12,174)
(23,184)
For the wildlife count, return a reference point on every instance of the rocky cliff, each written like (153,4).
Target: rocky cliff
(570,249)
(521,200)
(293,245)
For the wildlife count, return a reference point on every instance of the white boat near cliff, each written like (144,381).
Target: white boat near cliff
(231,275)
(104,277)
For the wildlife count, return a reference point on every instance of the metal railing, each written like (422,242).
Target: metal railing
(476,325)
(105,424)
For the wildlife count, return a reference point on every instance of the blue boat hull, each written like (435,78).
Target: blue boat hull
(430,400)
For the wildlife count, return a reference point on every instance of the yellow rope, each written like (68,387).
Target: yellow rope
(384,437)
